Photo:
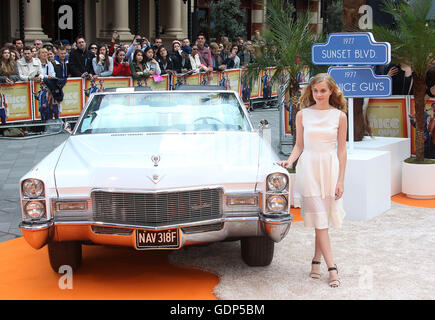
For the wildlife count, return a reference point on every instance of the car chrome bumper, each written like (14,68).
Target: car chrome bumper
(276,227)
(38,235)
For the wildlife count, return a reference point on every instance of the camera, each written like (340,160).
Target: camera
(139,40)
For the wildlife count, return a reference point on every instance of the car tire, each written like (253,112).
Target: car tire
(67,253)
(257,251)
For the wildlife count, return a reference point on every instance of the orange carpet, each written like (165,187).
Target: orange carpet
(296,212)
(106,273)
(403,199)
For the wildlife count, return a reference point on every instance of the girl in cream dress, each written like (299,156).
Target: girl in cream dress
(321,127)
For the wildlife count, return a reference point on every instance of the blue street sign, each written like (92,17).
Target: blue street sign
(358,48)
(361,82)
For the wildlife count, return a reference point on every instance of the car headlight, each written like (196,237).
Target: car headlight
(34,209)
(33,188)
(277,182)
(277,203)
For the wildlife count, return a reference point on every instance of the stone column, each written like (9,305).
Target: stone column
(32,22)
(316,22)
(174,29)
(257,16)
(121,20)
(112,15)
(90,17)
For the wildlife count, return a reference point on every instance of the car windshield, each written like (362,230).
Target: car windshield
(163,112)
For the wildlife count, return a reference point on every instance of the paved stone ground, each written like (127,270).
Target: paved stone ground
(17,157)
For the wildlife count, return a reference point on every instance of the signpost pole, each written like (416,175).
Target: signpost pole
(356,50)
(350,121)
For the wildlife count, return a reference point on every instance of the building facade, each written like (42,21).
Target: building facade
(50,20)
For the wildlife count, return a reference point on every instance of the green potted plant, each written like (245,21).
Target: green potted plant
(412,39)
(286,45)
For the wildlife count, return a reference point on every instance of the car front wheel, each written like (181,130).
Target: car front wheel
(257,251)
(67,253)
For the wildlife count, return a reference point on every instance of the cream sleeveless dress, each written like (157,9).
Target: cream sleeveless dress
(318,168)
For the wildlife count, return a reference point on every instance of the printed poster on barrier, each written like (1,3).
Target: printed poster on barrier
(72,103)
(215,78)
(248,90)
(189,79)
(268,89)
(158,83)
(287,114)
(19,99)
(209,79)
(275,86)
(387,117)
(92,86)
(428,111)
(231,80)
(266,84)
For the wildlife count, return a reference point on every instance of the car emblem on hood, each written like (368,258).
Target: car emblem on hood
(156,160)
(156,178)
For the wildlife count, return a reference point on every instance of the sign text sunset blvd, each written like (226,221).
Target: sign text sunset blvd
(357,48)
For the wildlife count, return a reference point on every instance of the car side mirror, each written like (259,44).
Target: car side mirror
(265,131)
(264,124)
(67,127)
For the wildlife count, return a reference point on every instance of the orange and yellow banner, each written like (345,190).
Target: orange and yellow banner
(191,79)
(109,82)
(19,100)
(231,80)
(72,104)
(387,117)
(255,85)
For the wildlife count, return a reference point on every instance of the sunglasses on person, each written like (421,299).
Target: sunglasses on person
(94,48)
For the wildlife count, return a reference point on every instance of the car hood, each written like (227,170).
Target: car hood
(185,160)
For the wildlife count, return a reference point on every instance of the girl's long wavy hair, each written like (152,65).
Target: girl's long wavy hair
(7,67)
(336,99)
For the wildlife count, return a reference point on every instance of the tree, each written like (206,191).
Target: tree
(287,46)
(225,19)
(413,43)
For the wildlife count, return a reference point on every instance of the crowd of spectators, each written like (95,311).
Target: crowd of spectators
(139,59)
(51,64)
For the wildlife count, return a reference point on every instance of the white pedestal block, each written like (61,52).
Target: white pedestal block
(367,191)
(400,149)
(367,184)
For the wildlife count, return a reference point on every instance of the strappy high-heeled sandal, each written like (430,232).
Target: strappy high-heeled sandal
(313,274)
(334,283)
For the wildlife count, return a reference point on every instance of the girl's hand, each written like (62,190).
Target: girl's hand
(339,189)
(393,71)
(285,163)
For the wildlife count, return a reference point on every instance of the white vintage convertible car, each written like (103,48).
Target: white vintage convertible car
(158,171)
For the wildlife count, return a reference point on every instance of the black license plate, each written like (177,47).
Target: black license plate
(157,239)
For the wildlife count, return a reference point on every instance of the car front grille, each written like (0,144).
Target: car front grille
(157,209)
